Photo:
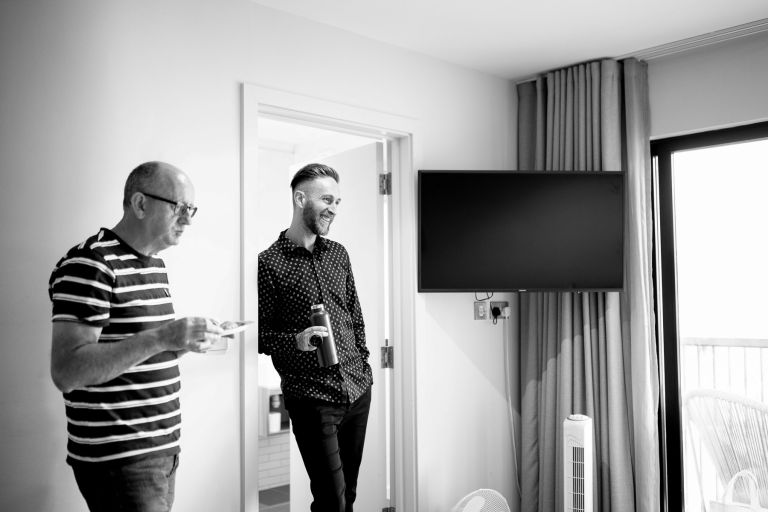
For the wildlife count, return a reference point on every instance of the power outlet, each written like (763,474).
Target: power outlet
(501,305)
(482,311)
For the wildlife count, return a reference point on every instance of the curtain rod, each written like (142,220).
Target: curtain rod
(691,43)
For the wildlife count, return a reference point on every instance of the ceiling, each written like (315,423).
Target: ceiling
(305,143)
(515,40)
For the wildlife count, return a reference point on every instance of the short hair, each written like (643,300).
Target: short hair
(312,172)
(140,179)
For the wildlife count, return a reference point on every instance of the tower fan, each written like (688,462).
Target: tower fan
(578,464)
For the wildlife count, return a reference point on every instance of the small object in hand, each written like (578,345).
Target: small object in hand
(232,327)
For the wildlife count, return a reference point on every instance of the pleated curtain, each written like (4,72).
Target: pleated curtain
(591,353)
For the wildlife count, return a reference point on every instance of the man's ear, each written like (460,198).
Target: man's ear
(299,198)
(138,205)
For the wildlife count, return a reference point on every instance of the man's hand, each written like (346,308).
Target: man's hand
(78,359)
(304,338)
(229,324)
(195,334)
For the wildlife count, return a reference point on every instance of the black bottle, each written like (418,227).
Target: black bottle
(326,345)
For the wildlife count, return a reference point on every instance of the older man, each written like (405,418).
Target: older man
(116,343)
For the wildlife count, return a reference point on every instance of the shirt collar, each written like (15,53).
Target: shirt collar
(287,245)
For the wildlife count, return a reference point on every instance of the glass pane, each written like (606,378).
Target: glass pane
(721,221)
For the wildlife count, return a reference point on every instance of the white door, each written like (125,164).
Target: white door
(360,227)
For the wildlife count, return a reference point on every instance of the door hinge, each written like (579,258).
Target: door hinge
(385,184)
(388,357)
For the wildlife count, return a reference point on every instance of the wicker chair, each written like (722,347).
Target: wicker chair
(734,431)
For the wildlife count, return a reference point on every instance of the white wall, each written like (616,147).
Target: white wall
(90,89)
(711,87)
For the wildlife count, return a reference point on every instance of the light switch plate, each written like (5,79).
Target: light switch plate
(482,310)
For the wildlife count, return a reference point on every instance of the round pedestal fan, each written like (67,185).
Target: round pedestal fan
(482,500)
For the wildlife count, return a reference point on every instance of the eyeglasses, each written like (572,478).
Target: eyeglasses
(179,208)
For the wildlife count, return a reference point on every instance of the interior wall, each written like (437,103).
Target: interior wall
(90,89)
(711,87)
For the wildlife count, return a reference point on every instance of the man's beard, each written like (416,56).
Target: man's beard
(312,220)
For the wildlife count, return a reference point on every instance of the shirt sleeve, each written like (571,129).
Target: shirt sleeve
(356,313)
(80,289)
(272,340)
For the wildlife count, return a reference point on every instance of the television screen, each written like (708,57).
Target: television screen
(520,230)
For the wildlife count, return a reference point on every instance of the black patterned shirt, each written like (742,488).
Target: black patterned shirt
(291,280)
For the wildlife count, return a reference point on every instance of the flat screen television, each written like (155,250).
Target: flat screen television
(520,231)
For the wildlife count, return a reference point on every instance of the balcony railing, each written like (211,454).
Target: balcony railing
(738,366)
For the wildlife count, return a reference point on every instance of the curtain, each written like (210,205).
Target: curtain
(591,353)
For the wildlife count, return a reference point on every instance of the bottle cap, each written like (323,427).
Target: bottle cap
(317,306)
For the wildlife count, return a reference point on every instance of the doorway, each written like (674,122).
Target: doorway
(277,141)
(284,147)
(714,344)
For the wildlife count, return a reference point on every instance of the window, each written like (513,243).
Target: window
(712,291)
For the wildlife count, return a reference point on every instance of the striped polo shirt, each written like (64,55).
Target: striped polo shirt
(103,282)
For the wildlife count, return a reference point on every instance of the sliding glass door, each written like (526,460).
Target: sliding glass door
(712,276)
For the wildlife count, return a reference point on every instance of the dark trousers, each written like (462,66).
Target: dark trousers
(330,438)
(146,485)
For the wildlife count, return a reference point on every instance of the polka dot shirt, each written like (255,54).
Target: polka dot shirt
(291,280)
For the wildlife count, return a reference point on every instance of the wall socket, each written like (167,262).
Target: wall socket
(501,305)
(484,309)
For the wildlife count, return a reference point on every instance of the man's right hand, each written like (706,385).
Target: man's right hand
(78,359)
(304,338)
(195,334)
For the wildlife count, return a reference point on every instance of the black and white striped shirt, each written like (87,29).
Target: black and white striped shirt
(103,282)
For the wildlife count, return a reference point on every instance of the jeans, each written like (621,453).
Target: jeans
(146,485)
(330,438)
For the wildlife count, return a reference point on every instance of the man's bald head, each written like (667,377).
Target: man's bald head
(151,176)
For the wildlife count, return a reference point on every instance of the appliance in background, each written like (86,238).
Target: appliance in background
(274,449)
(578,464)
(274,417)
(482,500)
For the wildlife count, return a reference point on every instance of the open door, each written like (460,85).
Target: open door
(362,225)
(389,467)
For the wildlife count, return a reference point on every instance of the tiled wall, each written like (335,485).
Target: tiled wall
(274,461)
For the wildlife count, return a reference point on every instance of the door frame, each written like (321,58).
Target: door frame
(256,101)
(668,349)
